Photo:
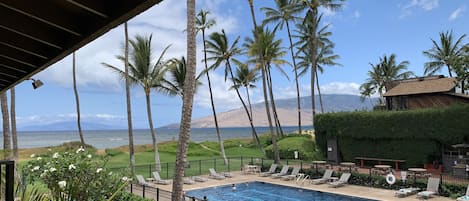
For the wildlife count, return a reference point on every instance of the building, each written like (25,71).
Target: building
(423,92)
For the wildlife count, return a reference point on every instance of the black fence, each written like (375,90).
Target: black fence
(157,194)
(7,180)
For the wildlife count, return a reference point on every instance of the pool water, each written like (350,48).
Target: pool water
(258,191)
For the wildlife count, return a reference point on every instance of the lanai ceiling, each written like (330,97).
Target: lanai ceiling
(35,34)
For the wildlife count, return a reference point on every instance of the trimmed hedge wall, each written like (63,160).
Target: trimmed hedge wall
(416,136)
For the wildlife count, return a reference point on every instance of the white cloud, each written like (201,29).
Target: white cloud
(457,13)
(341,88)
(426,5)
(165,21)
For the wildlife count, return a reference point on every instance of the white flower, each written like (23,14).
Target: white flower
(52,169)
(39,158)
(33,155)
(62,184)
(72,167)
(89,156)
(35,168)
(42,174)
(125,179)
(56,155)
(110,173)
(99,170)
(81,149)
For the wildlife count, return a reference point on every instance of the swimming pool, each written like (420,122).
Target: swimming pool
(258,191)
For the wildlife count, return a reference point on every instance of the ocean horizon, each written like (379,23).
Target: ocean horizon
(102,139)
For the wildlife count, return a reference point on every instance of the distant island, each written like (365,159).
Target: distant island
(287,111)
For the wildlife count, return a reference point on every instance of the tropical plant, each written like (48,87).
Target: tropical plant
(77,176)
(382,73)
(186,114)
(128,101)
(77,101)
(177,74)
(203,23)
(282,15)
(150,76)
(462,69)
(445,53)
(246,77)
(222,52)
(310,36)
(264,87)
(272,54)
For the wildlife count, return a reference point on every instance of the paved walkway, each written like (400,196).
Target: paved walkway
(352,190)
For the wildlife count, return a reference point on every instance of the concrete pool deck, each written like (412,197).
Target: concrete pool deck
(351,190)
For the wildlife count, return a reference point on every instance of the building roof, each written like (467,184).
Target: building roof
(422,86)
(36,34)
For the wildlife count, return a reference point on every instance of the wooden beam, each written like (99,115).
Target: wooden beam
(16,54)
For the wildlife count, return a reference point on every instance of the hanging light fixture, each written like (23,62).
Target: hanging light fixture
(37,83)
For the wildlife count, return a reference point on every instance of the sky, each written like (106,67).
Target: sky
(363,31)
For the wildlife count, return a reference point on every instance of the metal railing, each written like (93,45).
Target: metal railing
(157,194)
(7,179)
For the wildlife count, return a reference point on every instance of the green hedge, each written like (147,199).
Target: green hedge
(416,136)
(304,144)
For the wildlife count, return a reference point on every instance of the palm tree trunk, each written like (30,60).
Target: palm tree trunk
(256,137)
(6,127)
(249,102)
(152,131)
(14,135)
(298,100)
(220,141)
(77,100)
(127,94)
(254,133)
(319,92)
(264,84)
(184,130)
(274,108)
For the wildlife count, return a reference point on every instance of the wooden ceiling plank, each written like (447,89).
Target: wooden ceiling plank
(46,16)
(20,55)
(31,37)
(17,60)
(23,50)
(27,44)
(12,68)
(89,8)
(8,75)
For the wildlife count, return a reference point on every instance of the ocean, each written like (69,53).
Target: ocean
(102,139)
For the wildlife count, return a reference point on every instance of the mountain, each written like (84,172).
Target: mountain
(69,125)
(287,111)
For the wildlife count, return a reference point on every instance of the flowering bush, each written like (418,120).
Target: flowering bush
(78,176)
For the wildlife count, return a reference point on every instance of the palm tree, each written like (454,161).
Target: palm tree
(445,53)
(311,38)
(77,100)
(272,55)
(264,84)
(222,52)
(202,23)
(177,73)
(385,71)
(184,130)
(285,12)
(6,126)
(128,101)
(462,69)
(14,134)
(246,77)
(150,76)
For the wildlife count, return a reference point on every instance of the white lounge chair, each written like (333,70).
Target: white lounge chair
(199,179)
(157,179)
(404,192)
(326,177)
(282,172)
(141,180)
(342,180)
(294,173)
(465,197)
(215,175)
(271,171)
(404,176)
(432,188)
(188,181)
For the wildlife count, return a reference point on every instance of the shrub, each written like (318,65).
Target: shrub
(78,175)
(112,152)
(288,145)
